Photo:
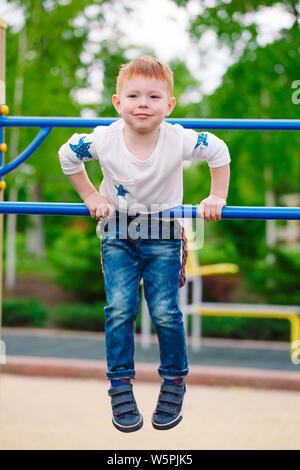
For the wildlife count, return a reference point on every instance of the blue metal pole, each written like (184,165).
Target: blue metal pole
(43,208)
(185,211)
(44,132)
(275,213)
(263,124)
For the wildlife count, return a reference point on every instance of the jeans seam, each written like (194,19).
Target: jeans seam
(133,326)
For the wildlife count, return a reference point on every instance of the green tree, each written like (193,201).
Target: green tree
(265,164)
(48,61)
(60,59)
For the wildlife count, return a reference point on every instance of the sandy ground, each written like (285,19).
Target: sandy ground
(52,413)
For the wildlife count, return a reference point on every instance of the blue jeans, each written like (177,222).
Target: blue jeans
(157,261)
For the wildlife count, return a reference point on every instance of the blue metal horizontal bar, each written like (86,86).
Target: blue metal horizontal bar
(185,211)
(259,124)
(44,208)
(248,212)
(239,212)
(44,132)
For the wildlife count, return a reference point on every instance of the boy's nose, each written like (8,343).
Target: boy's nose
(143,102)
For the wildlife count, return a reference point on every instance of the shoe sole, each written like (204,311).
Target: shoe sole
(132,428)
(172,424)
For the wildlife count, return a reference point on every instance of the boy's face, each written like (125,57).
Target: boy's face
(143,103)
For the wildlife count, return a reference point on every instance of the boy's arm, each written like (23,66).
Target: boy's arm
(208,147)
(220,181)
(82,184)
(72,155)
(99,206)
(211,207)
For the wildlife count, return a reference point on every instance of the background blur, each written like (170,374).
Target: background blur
(230,59)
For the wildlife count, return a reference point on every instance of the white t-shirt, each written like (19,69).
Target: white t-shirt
(149,185)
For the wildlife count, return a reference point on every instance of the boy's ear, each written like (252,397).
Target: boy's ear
(116,102)
(171,106)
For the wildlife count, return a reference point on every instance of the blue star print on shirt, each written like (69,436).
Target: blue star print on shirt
(121,191)
(82,149)
(202,140)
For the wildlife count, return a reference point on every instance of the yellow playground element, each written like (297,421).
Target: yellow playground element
(192,267)
(282,312)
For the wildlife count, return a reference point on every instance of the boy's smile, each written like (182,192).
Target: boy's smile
(143,103)
(142,115)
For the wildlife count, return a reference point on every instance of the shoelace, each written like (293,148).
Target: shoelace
(182,275)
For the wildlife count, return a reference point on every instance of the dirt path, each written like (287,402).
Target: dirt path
(43,413)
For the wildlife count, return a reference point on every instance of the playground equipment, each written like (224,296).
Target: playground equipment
(194,271)
(186,211)
(190,303)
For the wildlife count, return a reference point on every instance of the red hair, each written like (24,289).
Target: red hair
(146,66)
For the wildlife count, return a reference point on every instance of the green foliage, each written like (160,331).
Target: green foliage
(91,317)
(52,78)
(78,317)
(76,258)
(183,82)
(233,21)
(277,280)
(218,251)
(246,328)
(257,85)
(84,317)
(24,312)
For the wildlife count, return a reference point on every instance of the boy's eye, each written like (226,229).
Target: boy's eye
(132,95)
(154,96)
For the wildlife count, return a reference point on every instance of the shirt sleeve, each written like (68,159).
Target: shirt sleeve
(78,149)
(206,146)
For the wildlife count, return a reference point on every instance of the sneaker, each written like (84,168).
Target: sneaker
(126,416)
(169,408)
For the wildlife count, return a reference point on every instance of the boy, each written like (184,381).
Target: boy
(141,157)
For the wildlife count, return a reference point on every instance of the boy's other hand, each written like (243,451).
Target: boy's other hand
(210,208)
(99,206)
